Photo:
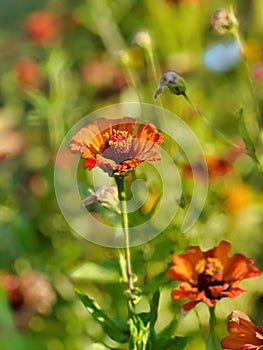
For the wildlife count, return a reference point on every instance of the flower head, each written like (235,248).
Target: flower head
(244,334)
(115,146)
(209,276)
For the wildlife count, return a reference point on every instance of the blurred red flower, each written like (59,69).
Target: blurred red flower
(244,334)
(209,276)
(41,26)
(28,73)
(28,294)
(114,146)
(103,74)
(216,166)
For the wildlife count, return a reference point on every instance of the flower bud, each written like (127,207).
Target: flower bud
(143,40)
(224,21)
(106,195)
(173,81)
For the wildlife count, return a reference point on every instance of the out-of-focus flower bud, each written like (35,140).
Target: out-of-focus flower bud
(143,40)
(173,81)
(106,195)
(224,21)
(131,57)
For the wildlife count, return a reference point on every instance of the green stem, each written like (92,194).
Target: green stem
(212,328)
(214,129)
(122,197)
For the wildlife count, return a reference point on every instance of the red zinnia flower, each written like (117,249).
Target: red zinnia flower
(209,276)
(114,146)
(245,335)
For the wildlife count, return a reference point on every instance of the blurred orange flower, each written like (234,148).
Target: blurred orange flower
(209,276)
(28,73)
(41,26)
(237,197)
(244,334)
(112,145)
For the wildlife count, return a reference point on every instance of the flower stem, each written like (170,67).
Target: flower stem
(122,197)
(212,324)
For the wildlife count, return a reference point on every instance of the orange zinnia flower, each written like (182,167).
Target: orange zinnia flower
(209,276)
(115,147)
(245,335)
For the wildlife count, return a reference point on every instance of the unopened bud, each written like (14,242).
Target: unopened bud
(173,81)
(106,195)
(143,40)
(224,21)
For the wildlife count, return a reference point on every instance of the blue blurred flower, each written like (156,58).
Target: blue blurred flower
(222,57)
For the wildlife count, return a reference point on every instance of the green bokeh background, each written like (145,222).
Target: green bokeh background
(33,233)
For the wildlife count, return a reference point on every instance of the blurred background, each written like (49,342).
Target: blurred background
(61,60)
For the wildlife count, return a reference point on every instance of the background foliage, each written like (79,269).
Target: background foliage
(88,59)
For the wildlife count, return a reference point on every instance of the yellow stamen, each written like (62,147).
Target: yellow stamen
(208,266)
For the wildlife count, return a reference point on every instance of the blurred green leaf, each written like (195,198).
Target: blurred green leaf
(169,329)
(210,343)
(177,343)
(94,272)
(116,329)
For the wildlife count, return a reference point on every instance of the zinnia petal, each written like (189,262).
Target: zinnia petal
(239,267)
(244,333)
(221,251)
(181,269)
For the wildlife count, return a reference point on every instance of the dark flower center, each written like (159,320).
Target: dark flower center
(210,273)
(118,146)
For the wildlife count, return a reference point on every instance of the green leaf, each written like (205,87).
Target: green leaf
(140,333)
(177,343)
(169,329)
(94,272)
(116,329)
(154,308)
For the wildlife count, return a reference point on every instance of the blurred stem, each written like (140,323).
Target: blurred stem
(212,328)
(122,197)
(239,41)
(226,139)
